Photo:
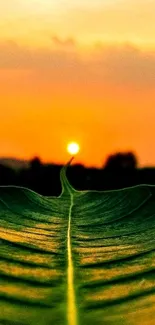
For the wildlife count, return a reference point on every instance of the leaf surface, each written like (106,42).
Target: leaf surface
(82,258)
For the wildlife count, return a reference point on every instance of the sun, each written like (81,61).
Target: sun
(73,148)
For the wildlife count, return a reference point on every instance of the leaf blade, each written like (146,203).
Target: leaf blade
(100,245)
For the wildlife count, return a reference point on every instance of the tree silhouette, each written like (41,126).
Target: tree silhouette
(119,161)
(35,164)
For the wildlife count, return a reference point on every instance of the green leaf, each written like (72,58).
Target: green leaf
(84,258)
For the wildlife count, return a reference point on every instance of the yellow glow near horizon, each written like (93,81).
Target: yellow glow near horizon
(73,148)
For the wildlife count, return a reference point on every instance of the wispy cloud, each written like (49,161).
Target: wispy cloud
(117,65)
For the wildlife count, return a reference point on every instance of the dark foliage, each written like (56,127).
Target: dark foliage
(120,171)
(121,161)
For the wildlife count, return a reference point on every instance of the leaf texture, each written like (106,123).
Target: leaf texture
(83,258)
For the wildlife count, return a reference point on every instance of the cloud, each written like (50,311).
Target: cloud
(125,65)
(117,65)
(67,44)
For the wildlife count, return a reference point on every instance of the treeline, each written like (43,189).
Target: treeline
(120,170)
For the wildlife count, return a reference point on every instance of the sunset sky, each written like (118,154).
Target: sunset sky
(80,70)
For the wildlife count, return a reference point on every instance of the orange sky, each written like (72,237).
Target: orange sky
(82,71)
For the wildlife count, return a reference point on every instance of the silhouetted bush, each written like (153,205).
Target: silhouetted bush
(120,171)
(120,160)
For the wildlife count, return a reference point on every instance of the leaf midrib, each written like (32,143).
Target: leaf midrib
(71,311)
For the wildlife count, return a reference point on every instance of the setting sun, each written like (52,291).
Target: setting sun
(73,148)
